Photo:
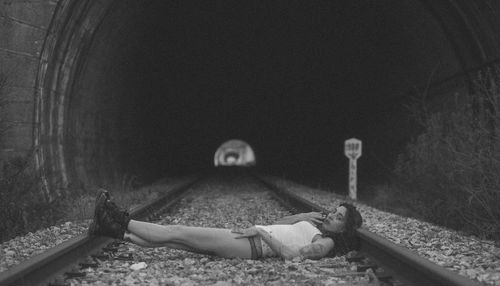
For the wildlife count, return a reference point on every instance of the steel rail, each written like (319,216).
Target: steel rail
(43,268)
(406,266)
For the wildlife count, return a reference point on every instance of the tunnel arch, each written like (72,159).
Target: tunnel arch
(65,69)
(70,33)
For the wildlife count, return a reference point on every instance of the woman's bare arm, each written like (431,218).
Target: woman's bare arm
(316,250)
(291,219)
(277,246)
(313,217)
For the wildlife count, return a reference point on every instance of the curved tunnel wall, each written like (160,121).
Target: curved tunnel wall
(100,109)
(107,98)
(70,34)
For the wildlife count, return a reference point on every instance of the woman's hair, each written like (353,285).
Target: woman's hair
(347,240)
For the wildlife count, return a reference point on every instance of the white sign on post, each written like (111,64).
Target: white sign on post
(352,150)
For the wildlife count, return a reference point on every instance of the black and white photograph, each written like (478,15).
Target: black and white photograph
(279,142)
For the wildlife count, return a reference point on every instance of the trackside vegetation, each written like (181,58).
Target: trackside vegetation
(22,206)
(450,174)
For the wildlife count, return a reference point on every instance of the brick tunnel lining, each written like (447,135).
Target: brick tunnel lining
(157,87)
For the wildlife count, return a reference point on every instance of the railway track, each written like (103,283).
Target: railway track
(400,266)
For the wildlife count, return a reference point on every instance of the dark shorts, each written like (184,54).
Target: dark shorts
(256,246)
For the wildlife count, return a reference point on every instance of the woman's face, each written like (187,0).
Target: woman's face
(335,221)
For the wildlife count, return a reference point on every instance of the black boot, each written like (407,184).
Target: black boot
(95,227)
(109,226)
(120,215)
(104,222)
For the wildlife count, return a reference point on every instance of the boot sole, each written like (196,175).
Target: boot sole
(102,196)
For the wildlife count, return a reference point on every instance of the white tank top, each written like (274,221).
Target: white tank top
(295,235)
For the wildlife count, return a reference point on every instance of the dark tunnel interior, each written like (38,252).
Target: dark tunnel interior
(173,80)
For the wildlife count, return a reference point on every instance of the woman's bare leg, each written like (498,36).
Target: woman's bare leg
(216,241)
(152,232)
(130,237)
(139,241)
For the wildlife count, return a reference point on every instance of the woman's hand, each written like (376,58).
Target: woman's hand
(247,232)
(313,217)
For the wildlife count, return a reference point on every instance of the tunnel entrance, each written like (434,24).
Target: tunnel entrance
(235,152)
(151,88)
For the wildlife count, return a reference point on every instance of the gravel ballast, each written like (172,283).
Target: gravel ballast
(21,248)
(236,206)
(215,205)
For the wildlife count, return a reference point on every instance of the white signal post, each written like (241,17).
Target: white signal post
(352,149)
